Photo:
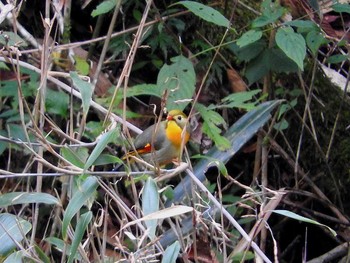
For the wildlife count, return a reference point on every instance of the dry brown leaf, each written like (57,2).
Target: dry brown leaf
(236,82)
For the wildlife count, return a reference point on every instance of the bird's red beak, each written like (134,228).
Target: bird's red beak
(169,118)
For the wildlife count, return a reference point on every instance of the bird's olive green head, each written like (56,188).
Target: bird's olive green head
(178,116)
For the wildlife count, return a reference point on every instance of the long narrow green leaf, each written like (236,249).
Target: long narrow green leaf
(150,204)
(101,145)
(12,230)
(171,253)
(83,193)
(16,198)
(79,233)
(303,219)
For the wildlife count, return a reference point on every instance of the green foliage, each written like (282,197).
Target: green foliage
(249,37)
(62,246)
(104,7)
(179,80)
(12,230)
(211,121)
(16,198)
(84,191)
(85,89)
(150,204)
(206,12)
(270,60)
(303,219)
(240,100)
(82,225)
(292,96)
(104,139)
(213,162)
(171,253)
(81,65)
(8,38)
(292,44)
(315,40)
(57,102)
(270,13)
(77,156)
(341,8)
(243,256)
(335,59)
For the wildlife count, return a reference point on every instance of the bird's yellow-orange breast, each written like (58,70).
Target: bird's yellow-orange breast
(174,133)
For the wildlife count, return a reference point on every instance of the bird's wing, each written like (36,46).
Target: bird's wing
(159,138)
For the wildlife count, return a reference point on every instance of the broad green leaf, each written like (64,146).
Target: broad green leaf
(249,52)
(207,13)
(15,257)
(281,125)
(335,59)
(314,40)
(8,38)
(303,219)
(270,13)
(76,156)
(16,198)
(249,37)
(12,230)
(279,62)
(57,102)
(82,66)
(179,80)
(104,7)
(302,23)
(83,192)
(85,89)
(105,138)
(171,253)
(292,44)
(341,8)
(82,225)
(16,131)
(150,204)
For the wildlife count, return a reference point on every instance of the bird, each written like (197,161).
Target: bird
(162,143)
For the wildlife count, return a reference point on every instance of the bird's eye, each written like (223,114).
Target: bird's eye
(179,118)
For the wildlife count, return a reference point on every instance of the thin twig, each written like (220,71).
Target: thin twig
(228,216)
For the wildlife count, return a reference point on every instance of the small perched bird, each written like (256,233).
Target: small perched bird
(167,140)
